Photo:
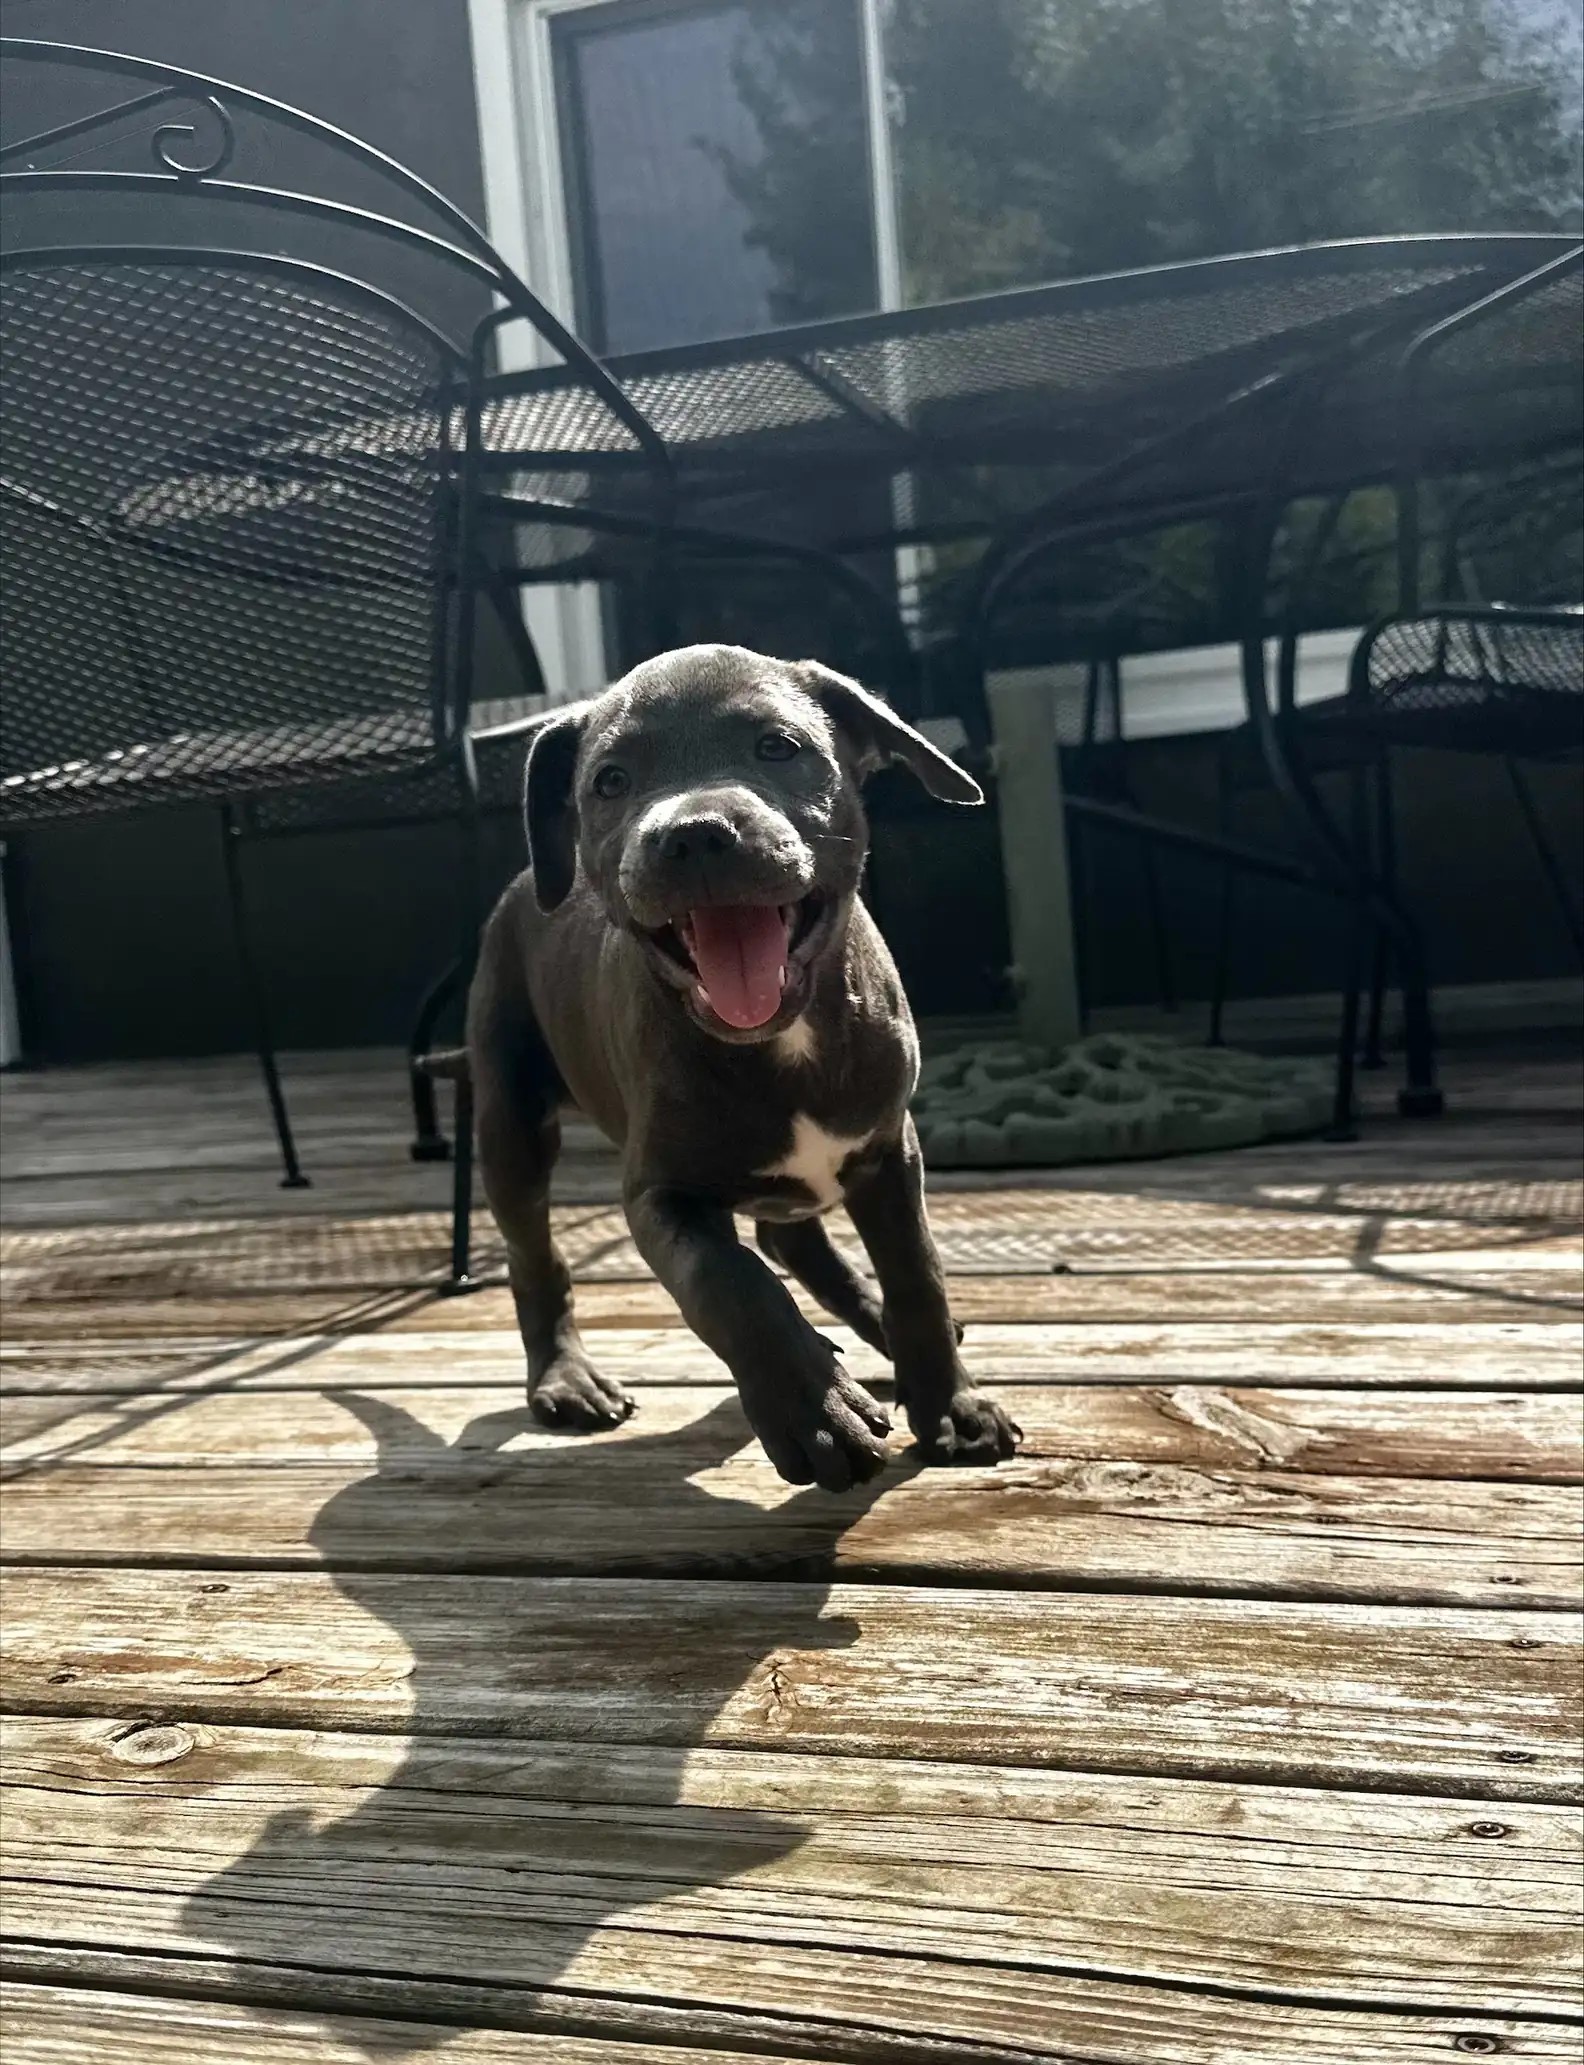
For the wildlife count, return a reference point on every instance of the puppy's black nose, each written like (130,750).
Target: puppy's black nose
(697,838)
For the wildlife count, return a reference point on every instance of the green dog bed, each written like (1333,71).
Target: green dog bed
(1108,1098)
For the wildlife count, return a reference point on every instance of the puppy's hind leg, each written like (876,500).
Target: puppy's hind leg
(519,1135)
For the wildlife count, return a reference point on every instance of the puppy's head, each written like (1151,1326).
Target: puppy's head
(711,799)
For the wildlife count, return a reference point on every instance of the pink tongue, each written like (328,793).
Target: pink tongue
(740,951)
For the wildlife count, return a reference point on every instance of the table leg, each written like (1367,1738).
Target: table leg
(1034,860)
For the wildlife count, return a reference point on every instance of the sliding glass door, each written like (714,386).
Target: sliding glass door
(716,166)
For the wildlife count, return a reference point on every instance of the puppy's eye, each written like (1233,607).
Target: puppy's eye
(611,782)
(779,745)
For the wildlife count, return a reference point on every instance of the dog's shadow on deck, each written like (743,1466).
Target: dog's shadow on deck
(503,1839)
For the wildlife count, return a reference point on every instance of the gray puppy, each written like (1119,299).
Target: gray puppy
(688,961)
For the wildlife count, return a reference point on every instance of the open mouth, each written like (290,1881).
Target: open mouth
(739,955)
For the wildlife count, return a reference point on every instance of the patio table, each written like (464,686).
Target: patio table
(1012,420)
(871,450)
(1037,419)
(1098,401)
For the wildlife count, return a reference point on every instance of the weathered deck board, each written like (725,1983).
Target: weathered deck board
(1391,1356)
(1180,1299)
(1527,1178)
(1107,1525)
(140,1141)
(501,1861)
(1022,1769)
(1522,1436)
(1074,2018)
(53,2025)
(1485,1703)
(989,1234)
(702,1500)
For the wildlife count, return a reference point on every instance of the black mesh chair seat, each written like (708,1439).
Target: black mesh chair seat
(417,795)
(192,765)
(1475,680)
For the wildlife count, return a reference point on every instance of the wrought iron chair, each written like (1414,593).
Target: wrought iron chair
(1470,680)
(1308,734)
(1464,361)
(239,489)
(1479,533)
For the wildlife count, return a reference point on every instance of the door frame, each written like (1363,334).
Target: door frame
(526,216)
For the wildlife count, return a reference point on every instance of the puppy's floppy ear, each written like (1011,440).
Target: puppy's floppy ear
(549,812)
(879,736)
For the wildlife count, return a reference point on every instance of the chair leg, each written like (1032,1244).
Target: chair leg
(1546,857)
(472,916)
(1420,1096)
(1078,893)
(1222,970)
(1386,867)
(429,1143)
(1165,988)
(1374,1055)
(461,1278)
(253,989)
(1082,783)
(1342,1126)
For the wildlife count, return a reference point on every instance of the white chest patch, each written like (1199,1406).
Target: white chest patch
(816,1157)
(796,1043)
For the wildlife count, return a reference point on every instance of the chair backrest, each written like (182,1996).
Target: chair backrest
(226,482)
(198,157)
(224,511)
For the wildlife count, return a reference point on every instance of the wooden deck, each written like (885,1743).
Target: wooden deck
(348,1716)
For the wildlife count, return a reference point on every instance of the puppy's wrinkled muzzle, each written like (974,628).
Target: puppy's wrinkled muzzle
(701,852)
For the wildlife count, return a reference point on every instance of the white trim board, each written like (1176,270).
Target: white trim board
(1464,1011)
(525,217)
(525,213)
(1200,688)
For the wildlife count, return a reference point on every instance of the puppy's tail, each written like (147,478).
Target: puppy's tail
(449,1065)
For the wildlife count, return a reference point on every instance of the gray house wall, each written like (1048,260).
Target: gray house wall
(397,73)
(124,949)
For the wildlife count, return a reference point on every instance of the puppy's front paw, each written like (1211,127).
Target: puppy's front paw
(972,1429)
(572,1394)
(817,1425)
